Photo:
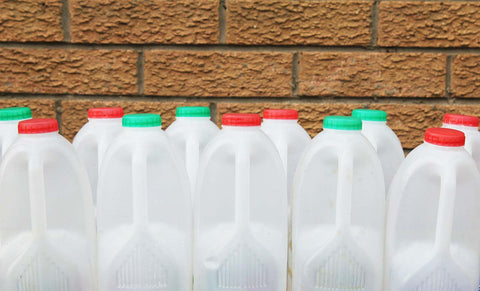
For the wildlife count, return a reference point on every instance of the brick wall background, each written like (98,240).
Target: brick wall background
(414,59)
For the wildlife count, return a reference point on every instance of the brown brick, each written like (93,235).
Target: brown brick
(41,108)
(184,73)
(27,20)
(466,76)
(146,21)
(429,24)
(74,112)
(372,74)
(409,121)
(68,71)
(298,22)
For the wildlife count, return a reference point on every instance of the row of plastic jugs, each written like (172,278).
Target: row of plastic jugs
(241,179)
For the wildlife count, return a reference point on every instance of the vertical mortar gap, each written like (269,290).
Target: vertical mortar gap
(295,68)
(65,21)
(141,72)
(58,112)
(213,112)
(448,78)
(374,23)
(222,22)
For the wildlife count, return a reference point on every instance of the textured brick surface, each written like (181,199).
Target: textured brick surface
(27,20)
(372,74)
(68,71)
(298,22)
(74,112)
(41,108)
(466,76)
(146,21)
(253,74)
(429,24)
(409,121)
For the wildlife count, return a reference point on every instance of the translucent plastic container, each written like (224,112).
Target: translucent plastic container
(383,139)
(47,227)
(339,211)
(289,137)
(92,141)
(9,119)
(241,211)
(433,224)
(469,126)
(191,131)
(144,212)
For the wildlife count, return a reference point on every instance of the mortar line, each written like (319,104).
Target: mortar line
(66,20)
(295,71)
(237,99)
(222,22)
(374,23)
(213,112)
(58,113)
(448,78)
(237,48)
(141,72)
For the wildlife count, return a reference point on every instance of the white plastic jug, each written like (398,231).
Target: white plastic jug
(383,139)
(433,224)
(144,212)
(289,137)
(191,131)
(93,139)
(9,119)
(47,227)
(338,212)
(469,126)
(240,211)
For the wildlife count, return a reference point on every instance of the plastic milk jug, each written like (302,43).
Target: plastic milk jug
(9,119)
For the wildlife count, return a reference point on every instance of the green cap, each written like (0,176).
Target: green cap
(142,120)
(193,111)
(370,114)
(15,113)
(342,123)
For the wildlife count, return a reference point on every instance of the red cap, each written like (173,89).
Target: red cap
(445,137)
(105,112)
(241,119)
(459,119)
(37,125)
(280,114)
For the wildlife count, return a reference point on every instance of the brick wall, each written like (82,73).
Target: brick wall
(414,59)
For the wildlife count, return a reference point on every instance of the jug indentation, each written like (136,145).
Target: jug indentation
(340,272)
(142,268)
(242,269)
(439,280)
(43,274)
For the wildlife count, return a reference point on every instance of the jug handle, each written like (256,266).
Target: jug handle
(101,149)
(242,186)
(446,211)
(192,156)
(344,189)
(36,187)
(139,188)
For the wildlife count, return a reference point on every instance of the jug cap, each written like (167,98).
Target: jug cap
(370,114)
(15,113)
(37,125)
(142,120)
(105,112)
(445,137)
(459,119)
(241,119)
(342,123)
(193,111)
(289,114)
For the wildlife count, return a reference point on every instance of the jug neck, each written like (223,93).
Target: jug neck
(192,119)
(342,132)
(240,128)
(435,147)
(460,127)
(374,123)
(280,121)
